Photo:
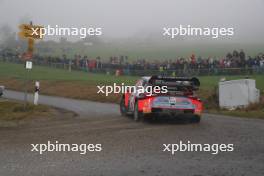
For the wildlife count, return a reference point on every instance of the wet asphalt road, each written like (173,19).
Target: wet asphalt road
(130,148)
(83,108)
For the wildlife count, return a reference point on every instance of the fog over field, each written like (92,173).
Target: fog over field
(140,18)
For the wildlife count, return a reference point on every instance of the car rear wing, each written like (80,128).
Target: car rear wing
(178,84)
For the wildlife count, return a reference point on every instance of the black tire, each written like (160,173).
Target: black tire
(137,115)
(123,108)
(196,119)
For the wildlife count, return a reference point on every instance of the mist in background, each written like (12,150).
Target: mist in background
(126,18)
(141,21)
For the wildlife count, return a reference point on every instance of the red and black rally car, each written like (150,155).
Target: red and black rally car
(178,100)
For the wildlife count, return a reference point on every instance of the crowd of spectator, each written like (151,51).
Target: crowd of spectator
(230,61)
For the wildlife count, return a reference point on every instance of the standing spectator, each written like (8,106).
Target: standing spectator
(242,58)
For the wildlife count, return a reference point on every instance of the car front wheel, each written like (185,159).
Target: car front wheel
(123,109)
(137,115)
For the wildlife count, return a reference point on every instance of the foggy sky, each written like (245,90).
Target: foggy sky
(126,18)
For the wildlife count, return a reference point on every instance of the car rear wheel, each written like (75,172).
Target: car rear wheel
(196,119)
(123,109)
(137,115)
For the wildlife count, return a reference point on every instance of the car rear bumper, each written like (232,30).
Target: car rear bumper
(170,111)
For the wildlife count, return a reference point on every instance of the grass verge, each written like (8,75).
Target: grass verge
(14,111)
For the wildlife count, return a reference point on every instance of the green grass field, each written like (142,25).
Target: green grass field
(45,73)
(17,71)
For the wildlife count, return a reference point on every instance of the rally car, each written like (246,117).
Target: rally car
(178,101)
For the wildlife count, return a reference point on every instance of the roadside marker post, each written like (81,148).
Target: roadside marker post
(36,95)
